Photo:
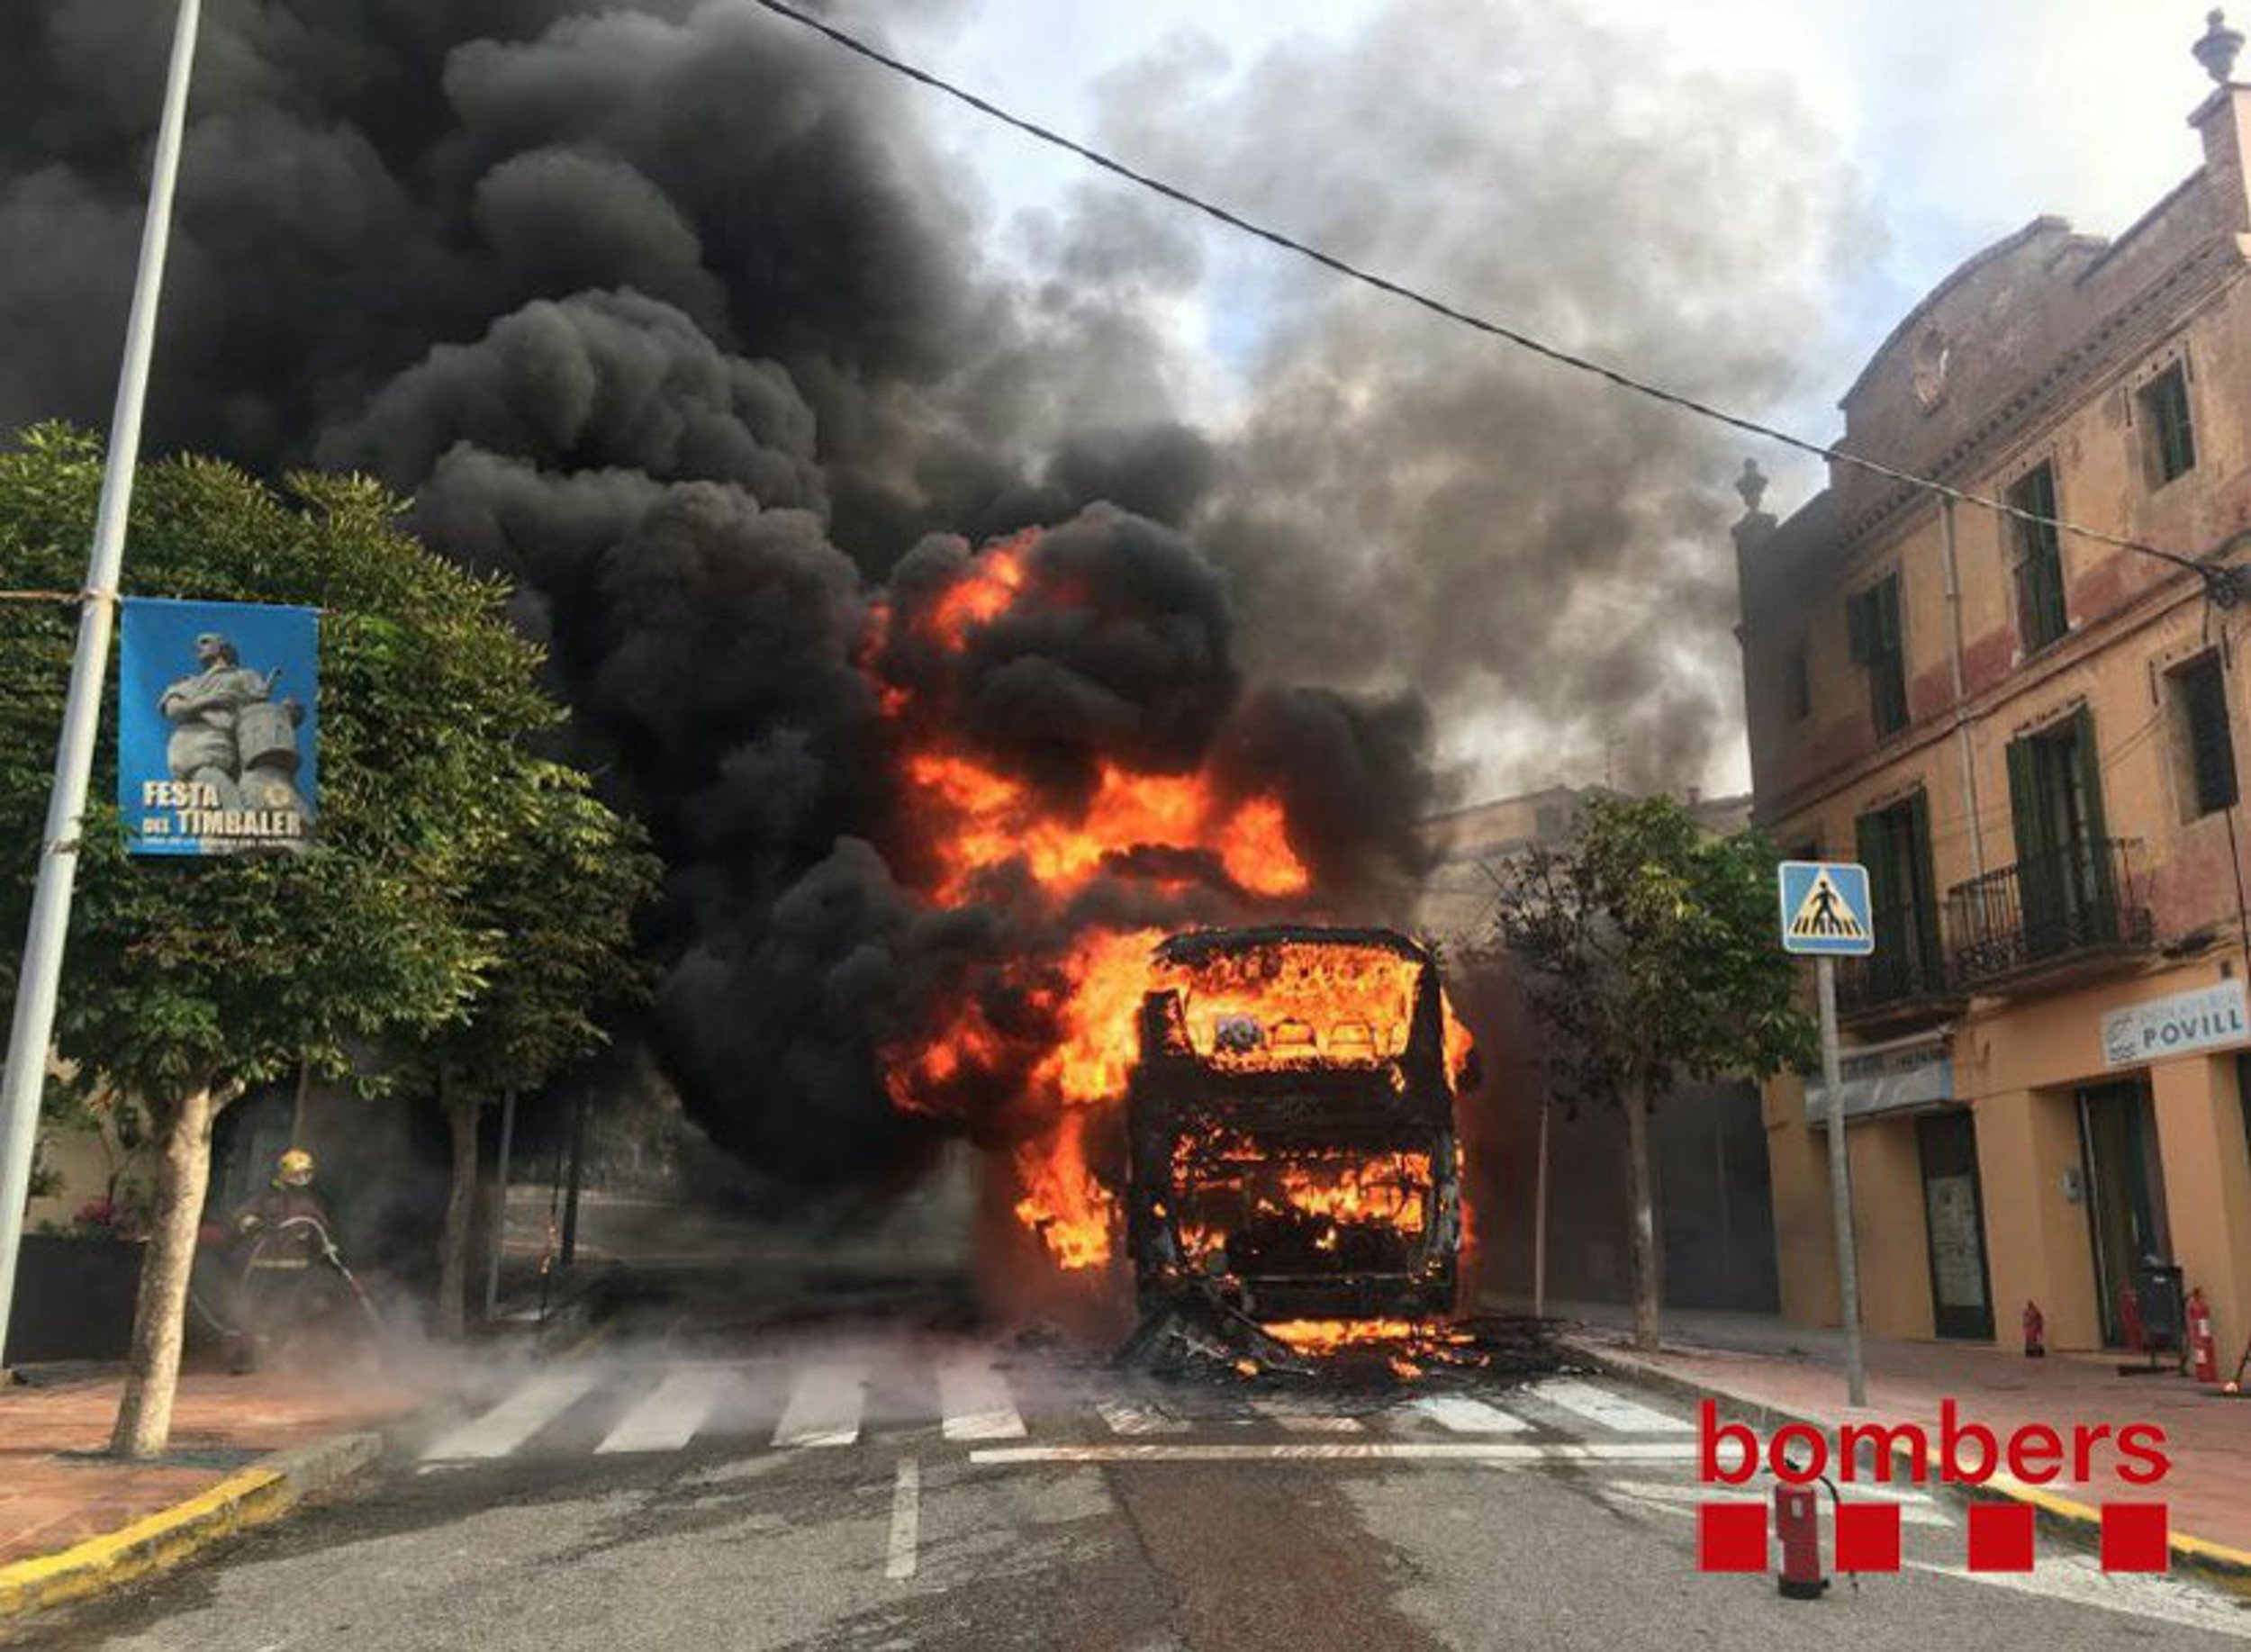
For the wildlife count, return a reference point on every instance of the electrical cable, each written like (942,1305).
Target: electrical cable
(2219,581)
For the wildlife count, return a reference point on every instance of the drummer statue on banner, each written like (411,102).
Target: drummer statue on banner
(235,746)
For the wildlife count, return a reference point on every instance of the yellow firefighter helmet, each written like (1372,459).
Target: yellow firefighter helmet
(296,1168)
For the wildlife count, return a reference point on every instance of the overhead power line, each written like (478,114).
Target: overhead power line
(2219,581)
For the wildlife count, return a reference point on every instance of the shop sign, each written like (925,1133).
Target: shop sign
(2213,1018)
(1908,1072)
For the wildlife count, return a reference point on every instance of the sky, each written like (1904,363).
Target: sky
(1957,124)
(1962,122)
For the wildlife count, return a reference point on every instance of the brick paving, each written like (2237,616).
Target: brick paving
(56,1488)
(2207,1437)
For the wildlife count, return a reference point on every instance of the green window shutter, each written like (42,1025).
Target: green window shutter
(1924,892)
(2090,775)
(2089,765)
(1888,616)
(2039,883)
(1872,844)
(1860,626)
(2026,819)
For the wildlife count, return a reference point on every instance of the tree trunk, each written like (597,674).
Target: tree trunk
(152,1370)
(1642,1208)
(453,1253)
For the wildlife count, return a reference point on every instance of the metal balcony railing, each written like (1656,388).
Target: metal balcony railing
(1908,967)
(2076,900)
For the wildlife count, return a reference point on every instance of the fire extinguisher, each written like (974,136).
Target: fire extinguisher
(1797,1527)
(2035,1332)
(2200,1345)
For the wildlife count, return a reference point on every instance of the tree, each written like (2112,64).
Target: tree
(1650,950)
(556,900)
(185,982)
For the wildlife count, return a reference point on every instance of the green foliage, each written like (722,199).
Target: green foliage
(232,971)
(1651,952)
(555,900)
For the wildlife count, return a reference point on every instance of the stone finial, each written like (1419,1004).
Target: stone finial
(1752,486)
(2218,49)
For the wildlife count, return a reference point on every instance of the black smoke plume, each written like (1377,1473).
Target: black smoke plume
(688,325)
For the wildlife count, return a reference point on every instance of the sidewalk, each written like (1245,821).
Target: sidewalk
(1761,1363)
(56,1490)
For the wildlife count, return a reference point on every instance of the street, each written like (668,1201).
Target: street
(885,1483)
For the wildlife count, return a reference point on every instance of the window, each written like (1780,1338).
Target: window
(2040,617)
(2204,741)
(1872,619)
(1894,845)
(1547,822)
(2064,874)
(1797,685)
(2164,409)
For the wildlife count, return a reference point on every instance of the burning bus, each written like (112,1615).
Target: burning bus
(1290,1126)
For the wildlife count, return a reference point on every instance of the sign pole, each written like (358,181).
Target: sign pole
(36,983)
(1840,1186)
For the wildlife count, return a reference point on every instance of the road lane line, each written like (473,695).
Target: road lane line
(976,1400)
(516,1418)
(2078,1580)
(1458,1414)
(668,1415)
(1123,1418)
(1382,1451)
(825,1405)
(906,1520)
(1672,1497)
(1298,1419)
(1605,1409)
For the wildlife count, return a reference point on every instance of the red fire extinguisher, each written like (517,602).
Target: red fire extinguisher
(2035,1332)
(2202,1347)
(2130,1318)
(1797,1527)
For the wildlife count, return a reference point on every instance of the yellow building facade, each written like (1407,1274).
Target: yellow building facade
(2033,736)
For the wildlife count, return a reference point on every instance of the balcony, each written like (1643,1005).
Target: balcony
(1904,983)
(2077,910)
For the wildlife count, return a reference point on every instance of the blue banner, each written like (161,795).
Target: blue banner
(218,749)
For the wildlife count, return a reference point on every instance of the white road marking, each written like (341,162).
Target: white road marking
(2079,1580)
(1458,1414)
(669,1414)
(825,1406)
(906,1520)
(1672,1497)
(1299,1419)
(1123,1418)
(1495,1451)
(1605,1409)
(976,1400)
(516,1418)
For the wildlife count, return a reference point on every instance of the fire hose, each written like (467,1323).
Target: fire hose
(328,1254)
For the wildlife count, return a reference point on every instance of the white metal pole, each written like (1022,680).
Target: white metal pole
(34,1020)
(1840,1187)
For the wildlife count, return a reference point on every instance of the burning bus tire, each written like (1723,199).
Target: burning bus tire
(1290,1123)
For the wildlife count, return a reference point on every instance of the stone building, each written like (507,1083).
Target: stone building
(2030,735)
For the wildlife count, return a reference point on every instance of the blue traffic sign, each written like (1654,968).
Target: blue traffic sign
(1825,908)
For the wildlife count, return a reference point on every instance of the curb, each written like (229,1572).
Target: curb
(2059,1516)
(157,1543)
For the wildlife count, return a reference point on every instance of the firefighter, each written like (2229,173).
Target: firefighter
(290,1259)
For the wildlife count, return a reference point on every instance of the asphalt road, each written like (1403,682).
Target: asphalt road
(884,1486)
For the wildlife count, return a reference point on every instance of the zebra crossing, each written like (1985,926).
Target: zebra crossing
(1000,1412)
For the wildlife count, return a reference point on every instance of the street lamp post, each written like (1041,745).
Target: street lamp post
(34,1020)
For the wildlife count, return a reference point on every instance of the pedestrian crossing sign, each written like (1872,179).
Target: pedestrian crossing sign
(1825,908)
